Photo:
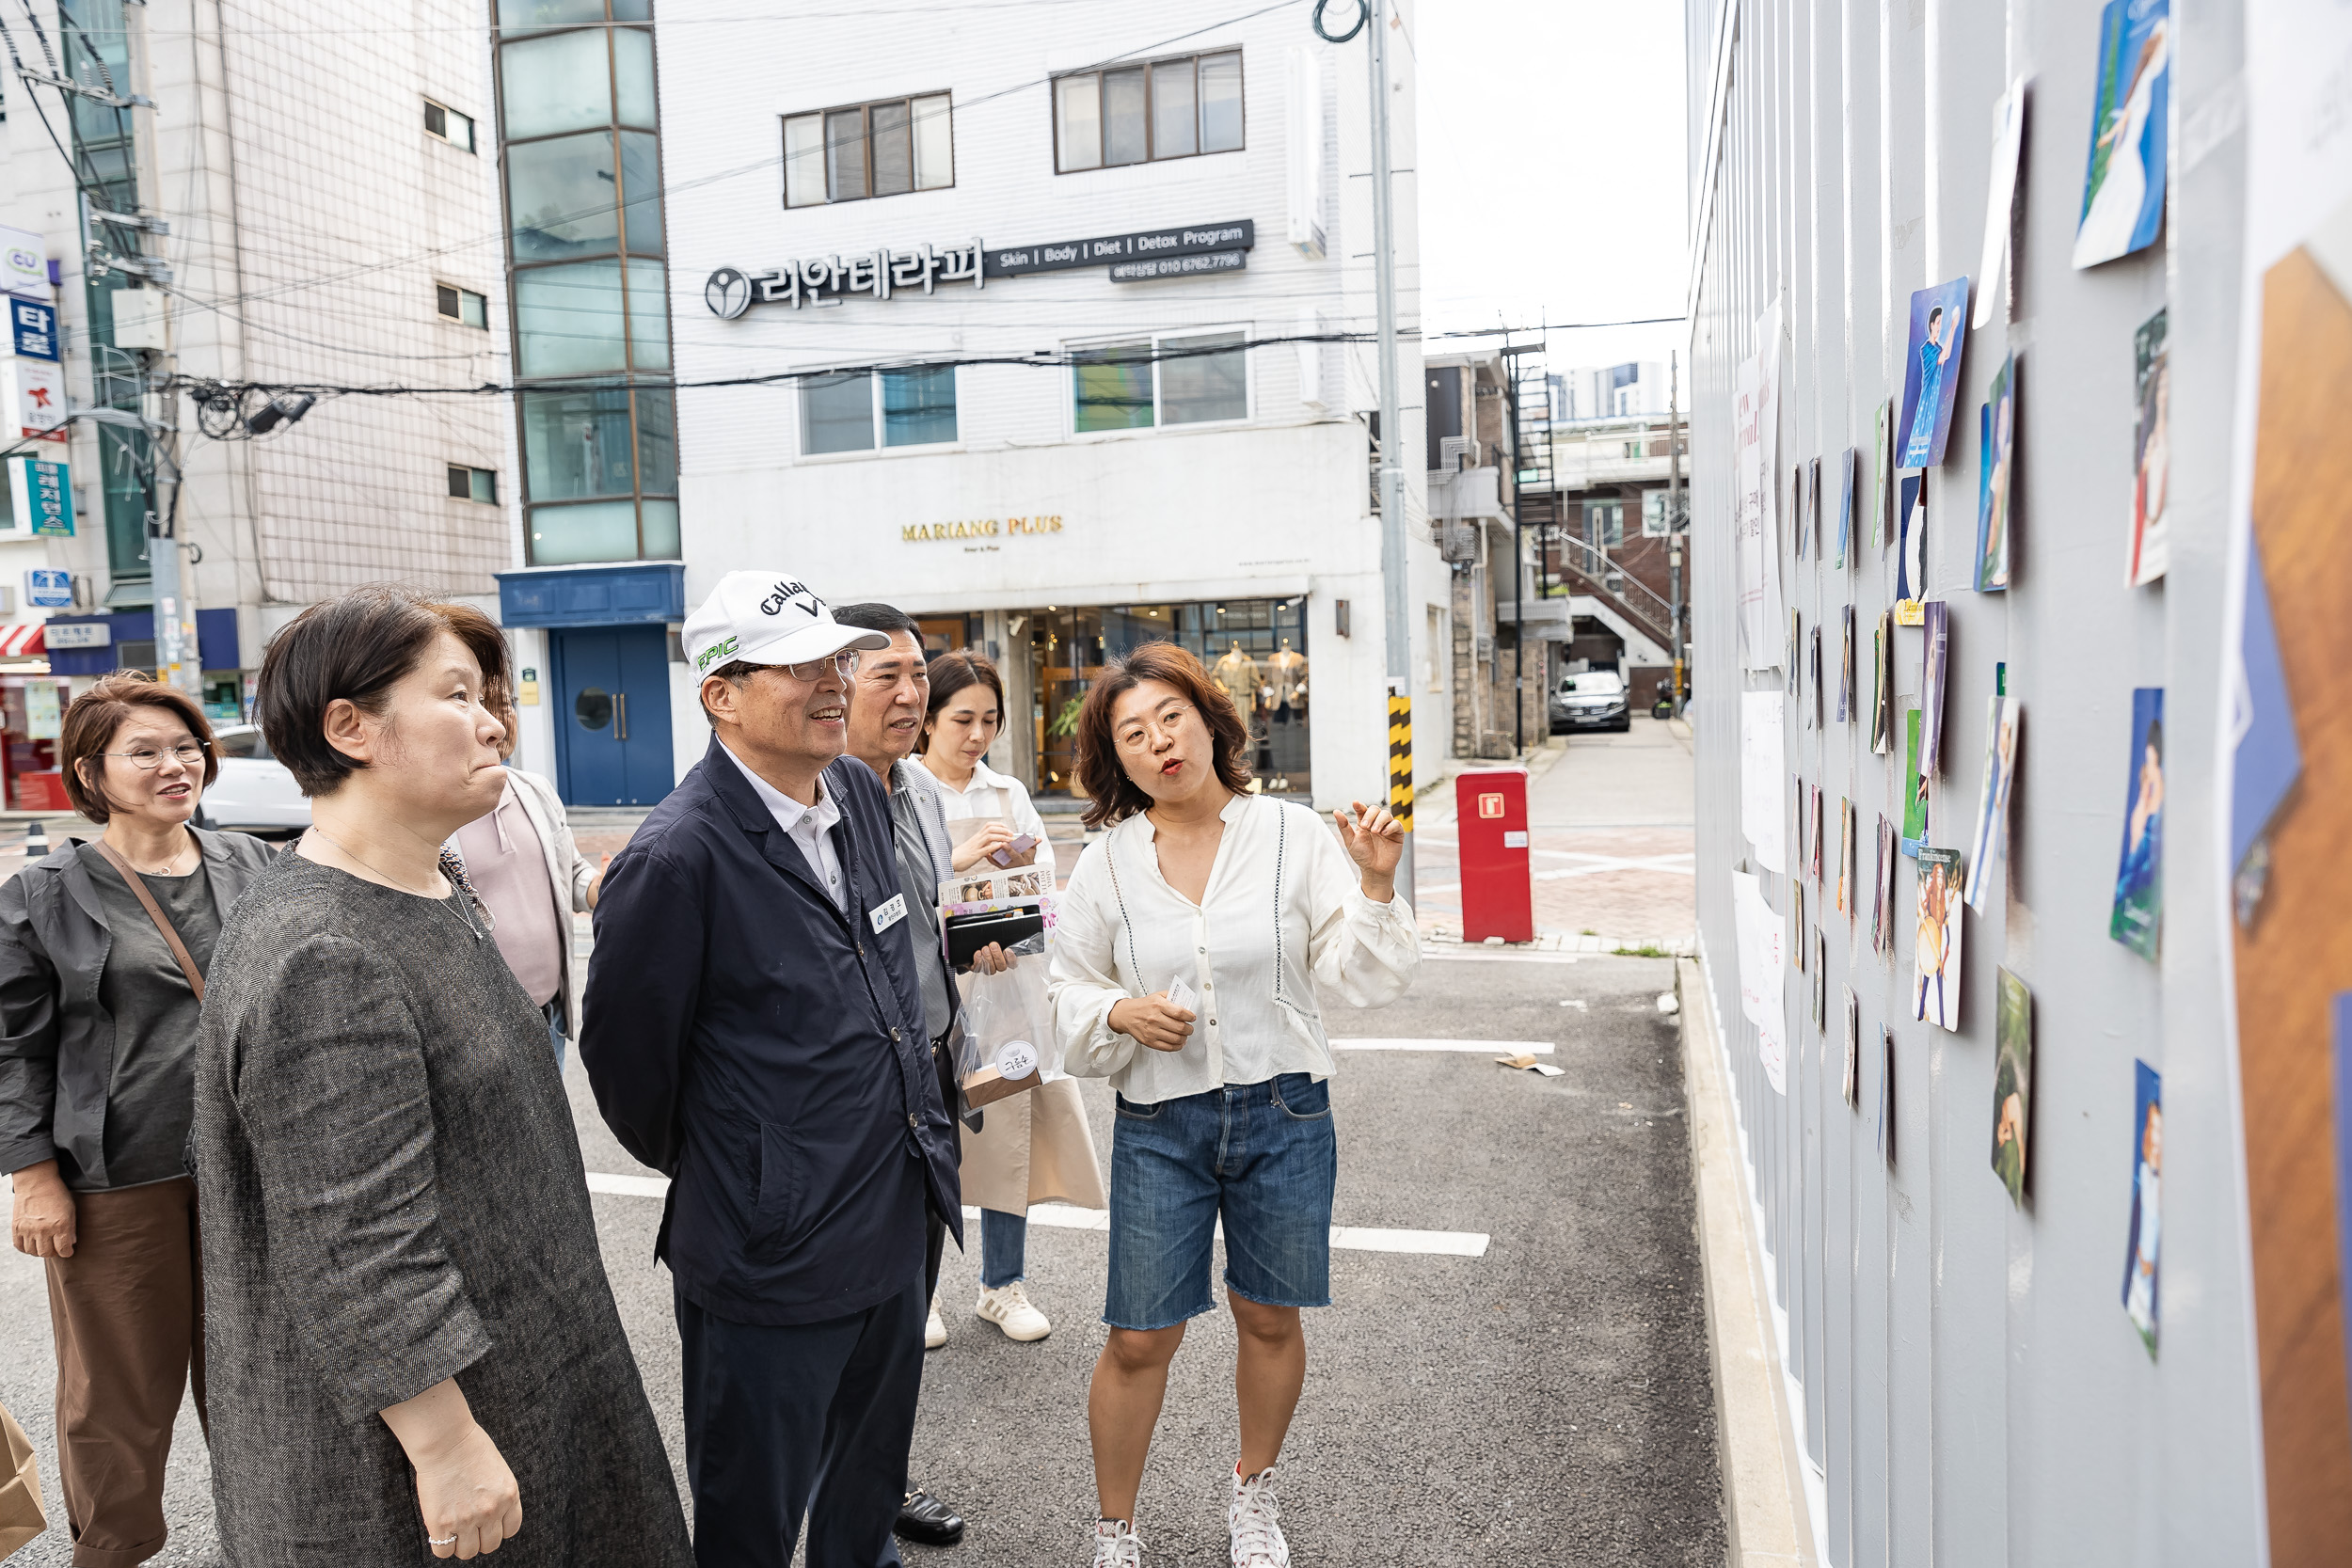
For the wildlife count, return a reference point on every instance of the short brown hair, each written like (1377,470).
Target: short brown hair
(90,727)
(1113,795)
(958,671)
(355,648)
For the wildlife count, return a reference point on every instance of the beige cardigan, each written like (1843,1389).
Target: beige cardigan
(570,873)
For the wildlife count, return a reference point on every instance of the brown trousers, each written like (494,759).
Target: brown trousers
(128,1313)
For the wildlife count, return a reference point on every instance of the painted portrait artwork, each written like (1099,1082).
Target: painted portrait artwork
(1939,324)
(2138,912)
(2124,185)
(2012,1082)
(2152,451)
(2139,1256)
(1996,447)
(1935,953)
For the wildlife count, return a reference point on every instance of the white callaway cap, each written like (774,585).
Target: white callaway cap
(767,618)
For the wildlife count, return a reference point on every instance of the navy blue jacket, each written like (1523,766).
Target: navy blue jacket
(766,1053)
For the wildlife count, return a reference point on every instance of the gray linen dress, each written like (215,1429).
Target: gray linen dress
(391,1193)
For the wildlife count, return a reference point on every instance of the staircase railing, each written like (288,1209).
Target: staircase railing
(1650,611)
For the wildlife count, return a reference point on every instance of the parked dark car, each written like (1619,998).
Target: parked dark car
(1595,699)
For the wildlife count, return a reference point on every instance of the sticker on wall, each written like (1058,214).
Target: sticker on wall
(2139,1258)
(2139,876)
(2152,451)
(1935,956)
(2123,186)
(1939,326)
(2012,1082)
(1998,431)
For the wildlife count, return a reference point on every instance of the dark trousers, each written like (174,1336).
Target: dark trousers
(811,1418)
(128,1313)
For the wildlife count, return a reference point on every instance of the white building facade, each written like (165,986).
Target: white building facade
(1014,324)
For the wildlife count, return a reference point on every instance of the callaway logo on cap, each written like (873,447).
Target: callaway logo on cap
(767,618)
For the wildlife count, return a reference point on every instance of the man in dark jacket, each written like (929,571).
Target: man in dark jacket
(754,1029)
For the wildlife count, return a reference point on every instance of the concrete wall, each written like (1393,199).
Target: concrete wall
(1971,1389)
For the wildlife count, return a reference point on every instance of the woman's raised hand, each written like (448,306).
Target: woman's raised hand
(981,844)
(1376,842)
(1152,1020)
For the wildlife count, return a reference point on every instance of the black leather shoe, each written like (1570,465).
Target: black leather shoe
(924,1519)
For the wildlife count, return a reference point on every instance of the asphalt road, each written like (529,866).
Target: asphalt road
(1546,1402)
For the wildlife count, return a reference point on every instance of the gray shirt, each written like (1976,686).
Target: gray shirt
(155,1014)
(918,878)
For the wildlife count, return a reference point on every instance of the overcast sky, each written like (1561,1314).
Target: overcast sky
(1552,175)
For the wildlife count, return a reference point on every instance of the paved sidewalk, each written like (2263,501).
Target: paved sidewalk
(1611,843)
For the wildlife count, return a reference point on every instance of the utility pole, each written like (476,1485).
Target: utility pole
(1675,530)
(1393,535)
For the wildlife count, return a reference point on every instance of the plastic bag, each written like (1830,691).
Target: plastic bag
(1007,1043)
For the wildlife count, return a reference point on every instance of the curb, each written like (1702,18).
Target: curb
(1766,1515)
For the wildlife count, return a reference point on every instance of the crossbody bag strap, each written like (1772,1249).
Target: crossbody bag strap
(155,913)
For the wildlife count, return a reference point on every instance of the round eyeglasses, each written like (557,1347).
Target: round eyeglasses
(843,662)
(188,754)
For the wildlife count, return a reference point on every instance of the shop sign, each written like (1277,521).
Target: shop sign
(981,528)
(828,279)
(49,588)
(43,495)
(35,400)
(79,634)
(35,325)
(23,262)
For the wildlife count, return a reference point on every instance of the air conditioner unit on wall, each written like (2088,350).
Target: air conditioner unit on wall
(1457,540)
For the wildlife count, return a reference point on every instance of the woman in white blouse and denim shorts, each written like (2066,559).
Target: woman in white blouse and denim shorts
(1240,905)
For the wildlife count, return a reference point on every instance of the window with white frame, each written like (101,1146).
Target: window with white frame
(446,124)
(1654,513)
(1604,525)
(868,150)
(462,305)
(864,410)
(1176,378)
(1136,114)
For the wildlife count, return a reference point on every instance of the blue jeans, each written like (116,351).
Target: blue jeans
(1004,1248)
(1262,1156)
(555,1031)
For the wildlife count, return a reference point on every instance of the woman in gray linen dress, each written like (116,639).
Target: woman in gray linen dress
(412,1348)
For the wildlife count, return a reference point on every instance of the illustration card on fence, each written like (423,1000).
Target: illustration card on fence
(1845,669)
(1853,1047)
(1881,474)
(1991,845)
(1882,684)
(1939,324)
(1914,786)
(1936,956)
(1911,560)
(2152,451)
(2139,1258)
(1935,664)
(2139,876)
(1999,438)
(1845,506)
(2012,1082)
(2123,186)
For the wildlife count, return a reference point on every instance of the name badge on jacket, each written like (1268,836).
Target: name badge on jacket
(889,915)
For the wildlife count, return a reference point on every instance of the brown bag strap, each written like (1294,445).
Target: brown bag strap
(155,913)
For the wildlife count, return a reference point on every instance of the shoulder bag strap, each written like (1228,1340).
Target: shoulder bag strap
(155,913)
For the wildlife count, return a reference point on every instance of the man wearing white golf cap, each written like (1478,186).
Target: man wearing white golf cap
(754,1030)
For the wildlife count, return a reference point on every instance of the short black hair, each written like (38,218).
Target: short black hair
(355,648)
(882,618)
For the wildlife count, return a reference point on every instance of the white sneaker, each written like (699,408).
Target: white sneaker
(1009,1308)
(1251,1517)
(934,1331)
(1116,1545)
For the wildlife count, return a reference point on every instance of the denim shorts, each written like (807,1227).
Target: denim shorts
(1262,1156)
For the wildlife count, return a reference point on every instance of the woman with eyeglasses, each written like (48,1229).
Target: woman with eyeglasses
(103,946)
(1191,941)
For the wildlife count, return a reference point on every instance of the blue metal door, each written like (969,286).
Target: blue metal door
(613,721)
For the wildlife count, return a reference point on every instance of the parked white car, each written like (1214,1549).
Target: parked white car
(254,793)
(1595,699)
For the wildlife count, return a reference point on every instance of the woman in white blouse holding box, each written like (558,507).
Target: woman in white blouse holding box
(1191,940)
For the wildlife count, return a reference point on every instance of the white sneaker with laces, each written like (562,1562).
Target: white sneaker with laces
(935,1330)
(1251,1517)
(1009,1308)
(1116,1545)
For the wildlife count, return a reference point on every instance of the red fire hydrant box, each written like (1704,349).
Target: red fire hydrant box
(1490,818)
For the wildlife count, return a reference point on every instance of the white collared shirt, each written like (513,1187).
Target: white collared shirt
(810,827)
(991,794)
(1283,911)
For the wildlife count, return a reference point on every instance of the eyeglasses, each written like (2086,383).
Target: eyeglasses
(188,754)
(1140,735)
(843,662)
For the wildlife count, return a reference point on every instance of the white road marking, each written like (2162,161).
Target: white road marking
(1491,1048)
(1350,1238)
(1473,957)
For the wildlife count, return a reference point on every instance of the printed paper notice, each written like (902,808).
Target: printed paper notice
(1760,815)
(1763,942)
(1755,459)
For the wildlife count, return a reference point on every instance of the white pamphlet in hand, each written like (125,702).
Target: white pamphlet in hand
(1184,996)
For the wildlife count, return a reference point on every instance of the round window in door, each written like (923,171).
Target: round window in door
(593,707)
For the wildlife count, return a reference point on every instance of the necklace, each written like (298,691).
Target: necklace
(460,887)
(164,870)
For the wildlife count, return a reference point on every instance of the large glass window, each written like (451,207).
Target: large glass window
(867,149)
(1172,108)
(589,294)
(1181,379)
(861,410)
